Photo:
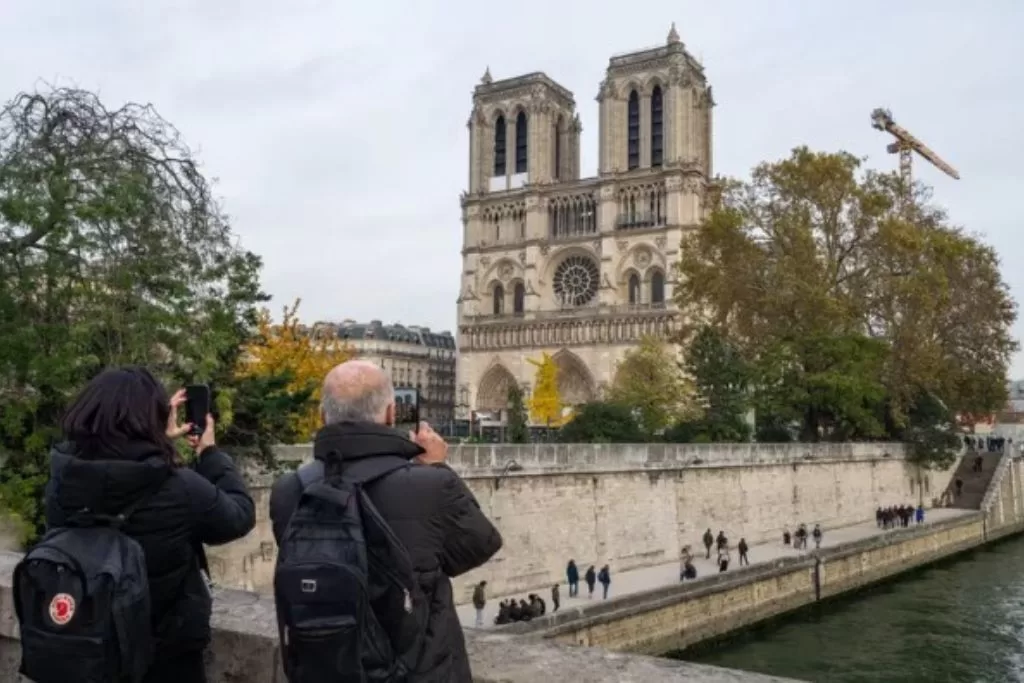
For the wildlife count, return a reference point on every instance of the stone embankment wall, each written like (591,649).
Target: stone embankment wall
(245,648)
(679,616)
(636,505)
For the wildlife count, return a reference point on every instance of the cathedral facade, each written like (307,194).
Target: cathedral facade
(579,268)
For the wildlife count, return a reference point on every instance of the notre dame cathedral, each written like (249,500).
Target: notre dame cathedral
(580,268)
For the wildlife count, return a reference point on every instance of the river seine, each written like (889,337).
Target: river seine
(960,621)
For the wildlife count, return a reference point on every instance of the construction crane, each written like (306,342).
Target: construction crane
(905,145)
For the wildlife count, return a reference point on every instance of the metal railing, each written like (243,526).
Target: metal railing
(639,221)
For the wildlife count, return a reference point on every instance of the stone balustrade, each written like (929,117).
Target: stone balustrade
(489,459)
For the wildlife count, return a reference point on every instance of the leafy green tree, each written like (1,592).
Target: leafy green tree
(517,431)
(722,379)
(811,257)
(263,409)
(649,380)
(931,433)
(831,386)
(113,250)
(602,422)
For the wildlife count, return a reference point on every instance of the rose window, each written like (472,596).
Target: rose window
(576,281)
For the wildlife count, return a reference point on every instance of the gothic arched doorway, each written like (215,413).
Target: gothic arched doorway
(575,382)
(492,394)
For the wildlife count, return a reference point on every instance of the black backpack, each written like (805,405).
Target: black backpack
(81,596)
(349,609)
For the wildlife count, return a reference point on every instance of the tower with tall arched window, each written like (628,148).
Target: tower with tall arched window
(655,109)
(522,131)
(580,268)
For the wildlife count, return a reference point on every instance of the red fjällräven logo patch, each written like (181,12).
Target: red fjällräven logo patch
(62,609)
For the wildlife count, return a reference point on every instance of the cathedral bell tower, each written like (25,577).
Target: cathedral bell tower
(522,130)
(655,111)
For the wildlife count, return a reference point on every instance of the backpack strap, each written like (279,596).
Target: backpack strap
(362,472)
(309,473)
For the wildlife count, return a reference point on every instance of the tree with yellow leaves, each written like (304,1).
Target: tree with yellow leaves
(546,401)
(298,359)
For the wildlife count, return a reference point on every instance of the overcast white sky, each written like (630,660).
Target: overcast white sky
(337,128)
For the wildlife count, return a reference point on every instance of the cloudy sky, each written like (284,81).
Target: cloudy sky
(337,128)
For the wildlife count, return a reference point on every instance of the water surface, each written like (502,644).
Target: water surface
(960,621)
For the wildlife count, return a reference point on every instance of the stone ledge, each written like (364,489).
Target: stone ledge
(245,648)
(473,461)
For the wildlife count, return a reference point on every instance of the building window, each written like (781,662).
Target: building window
(521,132)
(657,287)
(558,149)
(499,299)
(518,298)
(572,216)
(499,146)
(657,127)
(633,131)
(576,281)
(634,289)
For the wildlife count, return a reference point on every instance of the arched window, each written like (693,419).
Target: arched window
(518,298)
(657,127)
(657,287)
(558,149)
(521,131)
(499,299)
(634,289)
(499,146)
(633,130)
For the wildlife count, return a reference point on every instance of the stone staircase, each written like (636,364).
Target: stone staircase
(975,483)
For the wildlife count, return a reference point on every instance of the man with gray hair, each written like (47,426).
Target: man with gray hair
(424,502)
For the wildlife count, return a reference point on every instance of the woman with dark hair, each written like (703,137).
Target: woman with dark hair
(119,455)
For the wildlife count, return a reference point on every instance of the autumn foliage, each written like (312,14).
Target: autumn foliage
(289,349)
(546,401)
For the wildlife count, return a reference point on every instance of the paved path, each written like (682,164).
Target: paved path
(647,578)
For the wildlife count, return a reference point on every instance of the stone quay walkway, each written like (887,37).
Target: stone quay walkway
(662,575)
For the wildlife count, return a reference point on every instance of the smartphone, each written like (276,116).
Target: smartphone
(197,407)
(407,408)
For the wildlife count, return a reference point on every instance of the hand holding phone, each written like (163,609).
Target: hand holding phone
(174,430)
(436,448)
(205,440)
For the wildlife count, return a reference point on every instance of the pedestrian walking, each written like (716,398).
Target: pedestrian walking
(605,577)
(572,574)
(479,602)
(743,548)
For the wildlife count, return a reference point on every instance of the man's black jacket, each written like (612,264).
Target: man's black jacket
(435,516)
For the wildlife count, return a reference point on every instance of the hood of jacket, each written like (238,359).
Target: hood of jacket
(106,485)
(357,440)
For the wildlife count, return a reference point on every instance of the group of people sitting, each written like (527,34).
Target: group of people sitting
(898,516)
(512,610)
